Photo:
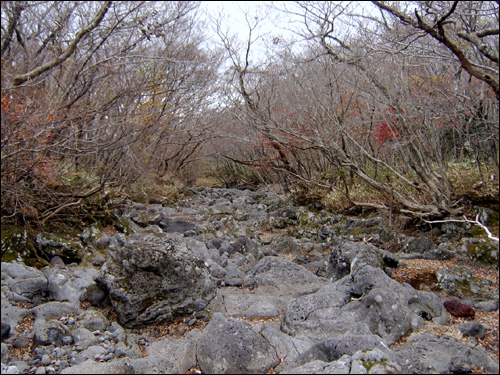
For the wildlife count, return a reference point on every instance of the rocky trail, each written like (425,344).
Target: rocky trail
(241,281)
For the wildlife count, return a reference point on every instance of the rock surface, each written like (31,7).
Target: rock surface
(240,281)
(154,279)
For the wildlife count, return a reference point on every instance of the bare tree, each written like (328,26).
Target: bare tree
(115,89)
(367,98)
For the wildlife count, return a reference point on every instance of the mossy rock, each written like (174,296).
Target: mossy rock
(483,251)
(52,244)
(461,283)
(18,244)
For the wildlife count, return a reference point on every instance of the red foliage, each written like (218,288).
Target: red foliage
(386,129)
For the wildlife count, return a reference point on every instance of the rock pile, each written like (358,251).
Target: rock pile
(246,283)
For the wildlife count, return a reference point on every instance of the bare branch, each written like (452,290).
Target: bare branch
(20,79)
(475,222)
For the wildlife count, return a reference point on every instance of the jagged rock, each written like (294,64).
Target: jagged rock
(230,346)
(347,255)
(233,277)
(243,303)
(83,337)
(419,245)
(334,348)
(341,325)
(93,320)
(93,236)
(53,244)
(97,296)
(154,279)
(367,301)
(375,361)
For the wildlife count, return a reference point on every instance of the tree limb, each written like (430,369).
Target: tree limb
(20,79)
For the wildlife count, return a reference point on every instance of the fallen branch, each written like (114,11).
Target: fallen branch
(71,204)
(83,195)
(477,222)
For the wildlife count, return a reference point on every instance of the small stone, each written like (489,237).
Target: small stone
(201,315)
(58,352)
(473,329)
(67,340)
(179,331)
(40,370)
(192,322)
(21,342)
(57,262)
(45,360)
(487,306)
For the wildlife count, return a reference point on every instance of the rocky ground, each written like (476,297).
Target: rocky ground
(240,281)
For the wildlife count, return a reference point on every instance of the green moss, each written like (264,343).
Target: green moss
(18,244)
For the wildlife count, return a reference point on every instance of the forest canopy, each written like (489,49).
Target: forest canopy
(392,105)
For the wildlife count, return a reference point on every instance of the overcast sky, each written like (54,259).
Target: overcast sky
(272,24)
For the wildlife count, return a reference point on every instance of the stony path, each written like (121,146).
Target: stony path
(232,281)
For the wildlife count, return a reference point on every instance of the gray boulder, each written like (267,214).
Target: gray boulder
(460,282)
(334,348)
(242,303)
(69,284)
(26,284)
(57,245)
(375,361)
(366,302)
(230,346)
(181,355)
(11,313)
(428,354)
(48,332)
(47,329)
(280,277)
(154,279)
(120,366)
(93,320)
(83,337)
(342,366)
